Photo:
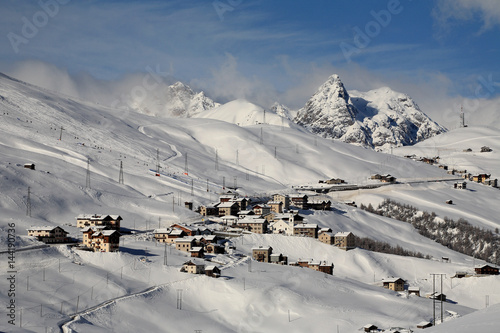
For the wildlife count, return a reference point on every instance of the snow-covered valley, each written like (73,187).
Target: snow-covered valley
(77,148)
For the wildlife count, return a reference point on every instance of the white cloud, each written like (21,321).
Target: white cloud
(465,10)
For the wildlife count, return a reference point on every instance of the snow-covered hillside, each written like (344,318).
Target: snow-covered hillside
(244,113)
(379,118)
(133,290)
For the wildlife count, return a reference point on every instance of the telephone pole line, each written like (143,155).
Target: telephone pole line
(87,184)
(157,161)
(434,297)
(28,203)
(120,177)
(60,134)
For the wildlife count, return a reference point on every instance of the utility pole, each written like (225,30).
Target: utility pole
(60,134)
(87,184)
(434,297)
(192,190)
(207,184)
(165,255)
(179,299)
(120,177)
(264,116)
(462,117)
(157,161)
(28,203)
(275,152)
(186,163)
(223,182)
(216,160)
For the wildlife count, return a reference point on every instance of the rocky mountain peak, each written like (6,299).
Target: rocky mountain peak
(379,118)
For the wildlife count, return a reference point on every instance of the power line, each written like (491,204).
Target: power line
(120,177)
(87,184)
(179,299)
(157,161)
(216,160)
(28,203)
(434,297)
(60,134)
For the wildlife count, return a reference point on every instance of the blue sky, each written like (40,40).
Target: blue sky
(265,50)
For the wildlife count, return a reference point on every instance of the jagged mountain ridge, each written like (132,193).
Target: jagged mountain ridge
(177,100)
(378,119)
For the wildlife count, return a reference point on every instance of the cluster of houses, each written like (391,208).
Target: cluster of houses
(274,216)
(265,254)
(197,241)
(387,178)
(482,178)
(232,205)
(197,268)
(101,233)
(49,234)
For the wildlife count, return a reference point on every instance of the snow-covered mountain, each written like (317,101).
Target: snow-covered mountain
(177,100)
(282,110)
(244,113)
(379,118)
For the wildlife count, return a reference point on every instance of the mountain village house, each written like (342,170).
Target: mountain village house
(345,240)
(228,208)
(210,210)
(395,284)
(284,199)
(92,220)
(189,230)
(299,200)
(276,206)
(306,230)
(282,227)
(258,226)
(261,209)
(319,204)
(184,244)
(414,291)
(193,268)
(48,234)
(278,258)
(212,271)
(101,239)
(168,235)
(321,266)
(197,252)
(326,237)
(262,253)
(486,270)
